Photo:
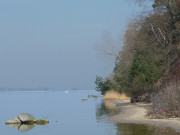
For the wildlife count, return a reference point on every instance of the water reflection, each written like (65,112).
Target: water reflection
(22,127)
(105,109)
(134,129)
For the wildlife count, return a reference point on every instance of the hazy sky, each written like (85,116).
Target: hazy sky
(51,43)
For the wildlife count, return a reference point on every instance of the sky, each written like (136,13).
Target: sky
(51,43)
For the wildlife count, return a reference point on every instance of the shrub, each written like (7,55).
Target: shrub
(102,85)
(166,102)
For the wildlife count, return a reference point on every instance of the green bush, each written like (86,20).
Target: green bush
(102,85)
(144,74)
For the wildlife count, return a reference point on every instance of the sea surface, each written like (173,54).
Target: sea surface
(69,113)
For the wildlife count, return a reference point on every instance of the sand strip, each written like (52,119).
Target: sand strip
(136,113)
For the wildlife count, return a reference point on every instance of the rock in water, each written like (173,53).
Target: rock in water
(14,121)
(42,122)
(25,117)
(25,122)
(17,120)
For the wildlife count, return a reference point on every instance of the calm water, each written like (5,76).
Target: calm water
(68,115)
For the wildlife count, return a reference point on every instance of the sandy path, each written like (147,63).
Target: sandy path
(136,113)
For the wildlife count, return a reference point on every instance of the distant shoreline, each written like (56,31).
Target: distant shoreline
(16,91)
(39,91)
(136,113)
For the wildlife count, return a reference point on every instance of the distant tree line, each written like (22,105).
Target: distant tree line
(150,58)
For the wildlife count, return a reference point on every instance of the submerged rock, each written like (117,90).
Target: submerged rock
(42,122)
(84,99)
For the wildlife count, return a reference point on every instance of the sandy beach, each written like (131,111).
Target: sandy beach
(136,113)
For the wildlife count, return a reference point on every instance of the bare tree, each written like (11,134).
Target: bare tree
(108,47)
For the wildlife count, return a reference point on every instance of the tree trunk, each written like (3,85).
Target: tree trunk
(178,3)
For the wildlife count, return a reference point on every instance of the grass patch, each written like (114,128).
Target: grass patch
(115,95)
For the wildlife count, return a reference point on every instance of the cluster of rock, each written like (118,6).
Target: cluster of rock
(25,118)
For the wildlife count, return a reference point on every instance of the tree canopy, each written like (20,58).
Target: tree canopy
(150,55)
